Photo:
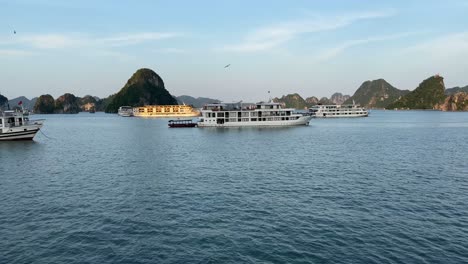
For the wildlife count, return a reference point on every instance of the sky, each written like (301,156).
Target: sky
(314,48)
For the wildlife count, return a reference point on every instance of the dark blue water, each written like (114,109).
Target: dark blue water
(391,188)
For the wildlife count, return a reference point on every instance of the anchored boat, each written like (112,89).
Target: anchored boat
(246,114)
(15,125)
(182,123)
(334,111)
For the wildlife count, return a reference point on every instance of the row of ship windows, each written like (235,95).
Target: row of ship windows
(255,119)
(249,114)
(354,113)
(167,110)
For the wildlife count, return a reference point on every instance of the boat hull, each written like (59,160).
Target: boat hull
(19,135)
(182,125)
(339,116)
(302,121)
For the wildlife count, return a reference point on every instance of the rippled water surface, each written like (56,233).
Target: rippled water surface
(390,188)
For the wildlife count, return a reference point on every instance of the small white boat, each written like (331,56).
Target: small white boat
(125,111)
(246,114)
(334,111)
(15,125)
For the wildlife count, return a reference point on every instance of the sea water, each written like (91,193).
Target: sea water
(98,188)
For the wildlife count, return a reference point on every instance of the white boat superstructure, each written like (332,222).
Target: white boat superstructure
(246,114)
(15,125)
(125,111)
(327,111)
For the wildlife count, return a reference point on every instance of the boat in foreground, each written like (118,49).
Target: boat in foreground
(182,123)
(246,114)
(15,125)
(335,111)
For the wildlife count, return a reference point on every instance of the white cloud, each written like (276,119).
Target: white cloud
(170,50)
(132,39)
(273,36)
(61,41)
(450,45)
(335,51)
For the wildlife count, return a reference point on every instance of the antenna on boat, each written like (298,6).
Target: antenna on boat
(269,97)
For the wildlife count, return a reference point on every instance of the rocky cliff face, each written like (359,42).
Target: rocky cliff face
(454,102)
(429,94)
(45,104)
(3,101)
(376,94)
(87,103)
(67,104)
(325,101)
(195,102)
(145,87)
(312,100)
(339,98)
(292,101)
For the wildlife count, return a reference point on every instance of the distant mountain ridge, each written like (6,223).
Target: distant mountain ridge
(339,98)
(292,101)
(376,94)
(298,102)
(454,90)
(195,102)
(148,88)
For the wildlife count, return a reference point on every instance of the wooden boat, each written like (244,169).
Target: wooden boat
(182,123)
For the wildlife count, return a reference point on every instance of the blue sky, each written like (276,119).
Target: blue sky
(314,48)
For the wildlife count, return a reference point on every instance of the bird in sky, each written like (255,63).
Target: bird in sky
(14,31)
(227,65)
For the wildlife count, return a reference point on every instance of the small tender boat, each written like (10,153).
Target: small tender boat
(15,125)
(125,111)
(182,123)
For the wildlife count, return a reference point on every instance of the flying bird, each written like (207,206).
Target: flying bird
(227,65)
(14,31)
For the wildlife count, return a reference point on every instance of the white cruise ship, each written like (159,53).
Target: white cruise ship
(338,111)
(243,114)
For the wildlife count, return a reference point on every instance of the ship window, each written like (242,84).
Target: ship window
(254,119)
(1,121)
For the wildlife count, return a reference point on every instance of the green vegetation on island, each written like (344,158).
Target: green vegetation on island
(195,102)
(429,94)
(454,90)
(145,87)
(45,104)
(376,94)
(292,101)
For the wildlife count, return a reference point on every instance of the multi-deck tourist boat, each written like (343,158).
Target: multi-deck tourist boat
(165,111)
(351,110)
(15,125)
(243,114)
(125,111)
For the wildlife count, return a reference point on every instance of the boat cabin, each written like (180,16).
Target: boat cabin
(11,118)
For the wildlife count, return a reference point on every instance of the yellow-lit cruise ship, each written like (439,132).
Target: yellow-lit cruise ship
(165,111)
